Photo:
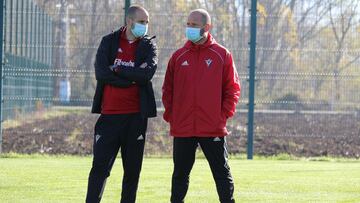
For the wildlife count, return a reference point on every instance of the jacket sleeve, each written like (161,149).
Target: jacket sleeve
(167,90)
(142,75)
(230,87)
(102,71)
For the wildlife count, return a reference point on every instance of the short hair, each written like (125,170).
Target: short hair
(131,12)
(206,19)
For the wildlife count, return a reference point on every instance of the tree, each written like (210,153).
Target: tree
(342,19)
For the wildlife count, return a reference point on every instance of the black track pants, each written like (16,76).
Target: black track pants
(184,157)
(113,132)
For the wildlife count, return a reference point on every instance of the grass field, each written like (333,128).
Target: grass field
(38,178)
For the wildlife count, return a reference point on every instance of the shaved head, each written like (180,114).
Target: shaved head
(132,10)
(205,16)
(200,19)
(136,15)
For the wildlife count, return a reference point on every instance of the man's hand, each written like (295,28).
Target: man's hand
(115,68)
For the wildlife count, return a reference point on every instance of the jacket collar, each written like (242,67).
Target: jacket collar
(210,41)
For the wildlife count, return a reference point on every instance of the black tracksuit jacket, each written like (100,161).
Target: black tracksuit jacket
(146,52)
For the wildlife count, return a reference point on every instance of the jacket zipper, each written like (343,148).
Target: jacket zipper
(195,89)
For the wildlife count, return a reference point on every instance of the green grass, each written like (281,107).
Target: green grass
(37,178)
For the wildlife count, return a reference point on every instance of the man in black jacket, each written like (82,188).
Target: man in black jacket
(125,63)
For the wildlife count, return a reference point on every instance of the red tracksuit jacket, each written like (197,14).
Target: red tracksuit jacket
(200,90)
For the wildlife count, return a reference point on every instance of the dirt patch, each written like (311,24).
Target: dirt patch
(296,134)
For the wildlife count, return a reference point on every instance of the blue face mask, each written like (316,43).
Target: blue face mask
(193,34)
(139,30)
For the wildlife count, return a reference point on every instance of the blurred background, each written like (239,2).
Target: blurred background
(307,77)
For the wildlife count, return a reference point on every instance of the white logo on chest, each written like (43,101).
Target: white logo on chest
(120,62)
(208,62)
(185,63)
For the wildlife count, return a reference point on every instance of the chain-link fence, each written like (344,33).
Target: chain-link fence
(307,72)
(27,52)
(308,77)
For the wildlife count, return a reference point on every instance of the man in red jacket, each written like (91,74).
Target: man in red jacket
(200,92)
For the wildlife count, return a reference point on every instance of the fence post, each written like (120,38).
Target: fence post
(1,68)
(127,5)
(252,61)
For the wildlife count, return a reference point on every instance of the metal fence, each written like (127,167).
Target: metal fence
(307,75)
(27,54)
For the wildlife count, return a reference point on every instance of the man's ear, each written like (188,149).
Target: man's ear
(128,20)
(207,27)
